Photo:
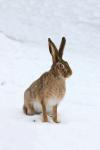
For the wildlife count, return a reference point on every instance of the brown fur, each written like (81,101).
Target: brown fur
(55,114)
(50,85)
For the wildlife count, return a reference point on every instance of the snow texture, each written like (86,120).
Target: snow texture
(24,29)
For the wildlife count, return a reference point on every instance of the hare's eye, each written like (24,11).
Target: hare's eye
(61,66)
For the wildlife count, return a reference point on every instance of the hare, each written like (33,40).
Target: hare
(45,94)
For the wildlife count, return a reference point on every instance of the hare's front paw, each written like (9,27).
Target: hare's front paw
(45,118)
(56,120)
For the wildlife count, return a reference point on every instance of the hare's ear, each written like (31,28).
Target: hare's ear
(61,48)
(53,51)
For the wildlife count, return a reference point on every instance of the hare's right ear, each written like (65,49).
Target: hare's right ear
(61,48)
(53,51)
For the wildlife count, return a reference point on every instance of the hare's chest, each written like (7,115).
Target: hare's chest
(59,90)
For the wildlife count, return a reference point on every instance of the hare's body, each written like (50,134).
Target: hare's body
(45,94)
(48,88)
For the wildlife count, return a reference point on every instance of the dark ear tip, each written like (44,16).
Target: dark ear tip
(63,38)
(49,40)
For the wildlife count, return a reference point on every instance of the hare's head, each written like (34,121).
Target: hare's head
(61,66)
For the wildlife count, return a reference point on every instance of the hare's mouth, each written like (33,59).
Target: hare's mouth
(69,73)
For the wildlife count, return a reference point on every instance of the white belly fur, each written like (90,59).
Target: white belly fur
(50,104)
(37,106)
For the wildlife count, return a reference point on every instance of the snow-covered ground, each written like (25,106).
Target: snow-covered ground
(24,56)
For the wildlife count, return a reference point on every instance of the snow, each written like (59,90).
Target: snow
(24,29)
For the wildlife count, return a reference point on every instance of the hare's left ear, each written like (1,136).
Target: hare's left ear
(53,51)
(61,48)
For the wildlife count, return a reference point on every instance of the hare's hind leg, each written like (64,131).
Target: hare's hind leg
(28,107)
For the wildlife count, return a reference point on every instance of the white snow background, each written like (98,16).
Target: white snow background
(24,55)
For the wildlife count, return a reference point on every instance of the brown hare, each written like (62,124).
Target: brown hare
(45,94)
